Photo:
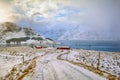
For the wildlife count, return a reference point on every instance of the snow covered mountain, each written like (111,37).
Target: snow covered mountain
(89,34)
(72,31)
(55,31)
(9,30)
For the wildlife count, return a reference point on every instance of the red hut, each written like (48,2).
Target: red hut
(63,48)
(38,47)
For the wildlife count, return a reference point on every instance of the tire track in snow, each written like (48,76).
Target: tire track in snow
(71,69)
(70,73)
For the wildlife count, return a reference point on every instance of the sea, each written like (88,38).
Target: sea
(111,46)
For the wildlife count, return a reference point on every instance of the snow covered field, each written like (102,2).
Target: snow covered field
(46,66)
(7,62)
(14,55)
(109,61)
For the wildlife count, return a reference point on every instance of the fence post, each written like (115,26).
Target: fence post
(67,55)
(23,58)
(98,60)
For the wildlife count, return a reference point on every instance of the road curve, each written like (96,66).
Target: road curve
(49,68)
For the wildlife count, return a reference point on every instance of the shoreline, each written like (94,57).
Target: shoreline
(1,46)
(111,46)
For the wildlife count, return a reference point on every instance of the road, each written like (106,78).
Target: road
(49,68)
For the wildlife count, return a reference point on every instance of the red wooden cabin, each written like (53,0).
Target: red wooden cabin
(38,47)
(63,48)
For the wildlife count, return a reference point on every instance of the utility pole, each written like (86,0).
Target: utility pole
(98,60)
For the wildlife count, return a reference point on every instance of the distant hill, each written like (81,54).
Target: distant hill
(10,31)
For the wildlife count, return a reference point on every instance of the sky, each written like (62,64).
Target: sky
(101,15)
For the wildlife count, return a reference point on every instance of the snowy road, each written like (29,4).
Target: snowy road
(49,68)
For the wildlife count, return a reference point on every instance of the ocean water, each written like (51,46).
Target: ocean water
(112,46)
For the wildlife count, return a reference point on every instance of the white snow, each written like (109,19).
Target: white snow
(109,62)
(49,68)
(47,65)
(7,62)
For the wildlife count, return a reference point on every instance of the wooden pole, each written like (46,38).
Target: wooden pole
(98,60)
(67,55)
(23,58)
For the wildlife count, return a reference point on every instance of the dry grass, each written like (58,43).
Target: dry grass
(26,50)
(18,72)
(17,50)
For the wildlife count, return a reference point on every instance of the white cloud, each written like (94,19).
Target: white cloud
(45,8)
(6,12)
(94,14)
(99,14)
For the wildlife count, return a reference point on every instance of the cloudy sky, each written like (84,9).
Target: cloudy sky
(101,15)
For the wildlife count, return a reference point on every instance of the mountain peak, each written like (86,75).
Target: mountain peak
(9,31)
